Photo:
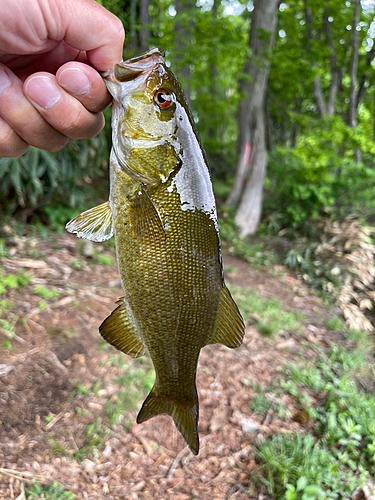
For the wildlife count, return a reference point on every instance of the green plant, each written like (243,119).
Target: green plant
(269,314)
(261,404)
(335,323)
(80,390)
(57,448)
(94,442)
(58,215)
(40,177)
(236,244)
(13,280)
(103,258)
(137,383)
(45,293)
(338,453)
(55,491)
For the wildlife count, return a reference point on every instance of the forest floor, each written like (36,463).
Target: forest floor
(68,401)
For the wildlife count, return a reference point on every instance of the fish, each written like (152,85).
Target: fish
(162,213)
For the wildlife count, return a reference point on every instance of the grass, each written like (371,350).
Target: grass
(54,491)
(338,453)
(137,380)
(94,441)
(269,314)
(45,293)
(13,281)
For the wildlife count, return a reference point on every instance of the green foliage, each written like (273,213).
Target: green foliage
(268,313)
(320,176)
(58,215)
(335,323)
(235,244)
(94,441)
(102,258)
(261,404)
(13,280)
(45,292)
(39,177)
(137,382)
(55,491)
(338,455)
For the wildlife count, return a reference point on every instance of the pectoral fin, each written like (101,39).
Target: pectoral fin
(119,331)
(95,224)
(184,417)
(145,218)
(229,327)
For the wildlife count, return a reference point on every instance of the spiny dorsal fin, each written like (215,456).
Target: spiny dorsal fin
(119,331)
(185,418)
(95,224)
(229,327)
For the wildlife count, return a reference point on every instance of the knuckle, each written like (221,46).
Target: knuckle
(81,126)
(120,29)
(72,124)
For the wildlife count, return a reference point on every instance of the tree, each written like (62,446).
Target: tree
(252,157)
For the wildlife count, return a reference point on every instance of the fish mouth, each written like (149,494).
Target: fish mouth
(135,70)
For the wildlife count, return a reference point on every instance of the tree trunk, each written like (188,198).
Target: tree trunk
(354,67)
(252,157)
(335,72)
(184,32)
(353,73)
(144,17)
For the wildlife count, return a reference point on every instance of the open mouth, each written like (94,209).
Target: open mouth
(131,69)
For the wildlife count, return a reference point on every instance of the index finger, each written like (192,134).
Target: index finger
(86,26)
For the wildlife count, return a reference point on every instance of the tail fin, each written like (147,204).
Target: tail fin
(185,419)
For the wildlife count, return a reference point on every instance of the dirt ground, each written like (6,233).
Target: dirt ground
(58,379)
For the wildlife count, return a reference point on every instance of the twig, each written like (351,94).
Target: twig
(12,336)
(21,496)
(54,421)
(56,360)
(176,461)
(21,475)
(182,454)
(267,419)
(233,489)
(244,452)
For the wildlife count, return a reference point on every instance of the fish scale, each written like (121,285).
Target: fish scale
(162,213)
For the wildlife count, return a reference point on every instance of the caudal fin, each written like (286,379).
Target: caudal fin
(184,417)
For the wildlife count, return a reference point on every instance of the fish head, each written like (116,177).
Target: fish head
(148,107)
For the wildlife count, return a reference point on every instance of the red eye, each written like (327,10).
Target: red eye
(163,98)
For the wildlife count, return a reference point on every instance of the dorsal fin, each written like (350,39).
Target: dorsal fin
(118,330)
(95,224)
(229,327)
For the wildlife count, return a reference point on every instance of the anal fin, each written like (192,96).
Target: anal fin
(119,331)
(95,224)
(229,327)
(185,416)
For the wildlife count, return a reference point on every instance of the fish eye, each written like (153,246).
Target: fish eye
(163,98)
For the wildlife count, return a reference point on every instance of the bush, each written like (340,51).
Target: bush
(320,175)
(38,177)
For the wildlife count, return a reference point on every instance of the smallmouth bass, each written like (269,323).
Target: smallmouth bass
(162,213)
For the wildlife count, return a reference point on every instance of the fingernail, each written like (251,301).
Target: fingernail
(74,81)
(4,80)
(42,91)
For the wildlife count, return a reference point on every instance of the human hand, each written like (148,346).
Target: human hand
(50,89)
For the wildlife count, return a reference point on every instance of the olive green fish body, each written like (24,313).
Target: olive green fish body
(163,215)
